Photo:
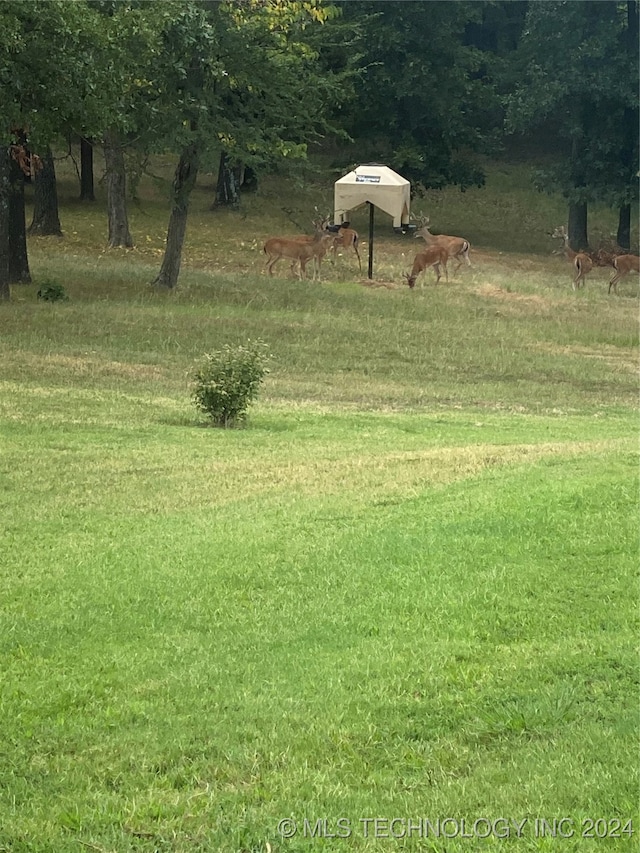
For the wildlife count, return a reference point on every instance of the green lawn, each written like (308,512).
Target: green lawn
(406,591)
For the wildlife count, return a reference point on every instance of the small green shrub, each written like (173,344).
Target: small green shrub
(52,291)
(227,381)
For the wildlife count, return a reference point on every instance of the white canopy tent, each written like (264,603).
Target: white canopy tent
(377,186)
(373,184)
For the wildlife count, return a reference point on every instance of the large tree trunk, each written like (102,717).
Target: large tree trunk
(18,259)
(232,180)
(183,182)
(578,226)
(623,238)
(227,189)
(5,171)
(46,220)
(578,234)
(86,170)
(119,234)
(629,152)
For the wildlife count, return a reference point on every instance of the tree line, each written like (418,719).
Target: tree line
(430,87)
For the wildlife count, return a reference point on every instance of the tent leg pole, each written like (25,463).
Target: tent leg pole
(371,209)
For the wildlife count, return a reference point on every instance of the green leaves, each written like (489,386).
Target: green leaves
(227,381)
(578,82)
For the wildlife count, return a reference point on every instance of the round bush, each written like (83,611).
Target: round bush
(227,381)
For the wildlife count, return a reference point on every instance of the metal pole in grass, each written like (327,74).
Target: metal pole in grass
(371,217)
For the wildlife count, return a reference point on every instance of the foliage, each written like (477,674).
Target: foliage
(425,98)
(577,79)
(227,381)
(52,291)
(48,67)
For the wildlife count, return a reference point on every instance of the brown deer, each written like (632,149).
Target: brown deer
(346,237)
(623,264)
(580,261)
(433,256)
(457,247)
(342,234)
(300,250)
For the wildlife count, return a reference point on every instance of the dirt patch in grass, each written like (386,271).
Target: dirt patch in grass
(494,291)
(88,364)
(390,285)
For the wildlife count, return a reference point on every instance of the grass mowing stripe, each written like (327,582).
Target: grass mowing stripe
(359,665)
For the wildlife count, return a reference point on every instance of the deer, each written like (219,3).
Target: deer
(580,261)
(343,236)
(457,247)
(346,237)
(327,232)
(433,256)
(300,250)
(623,265)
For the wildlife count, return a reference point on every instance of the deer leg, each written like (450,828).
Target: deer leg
(273,263)
(576,280)
(355,249)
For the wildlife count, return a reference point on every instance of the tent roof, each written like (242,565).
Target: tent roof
(377,184)
(374,174)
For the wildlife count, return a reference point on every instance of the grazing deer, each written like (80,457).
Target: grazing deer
(623,264)
(457,247)
(300,250)
(433,256)
(580,261)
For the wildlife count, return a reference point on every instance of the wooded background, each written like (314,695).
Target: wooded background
(248,87)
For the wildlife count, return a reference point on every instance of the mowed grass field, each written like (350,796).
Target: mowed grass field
(398,610)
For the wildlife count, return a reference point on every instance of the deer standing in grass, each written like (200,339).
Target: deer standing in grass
(433,256)
(300,250)
(623,264)
(346,237)
(580,261)
(457,247)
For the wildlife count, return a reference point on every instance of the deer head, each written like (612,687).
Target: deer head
(423,227)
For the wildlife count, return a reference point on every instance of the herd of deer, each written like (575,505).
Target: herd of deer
(300,250)
(583,262)
(439,250)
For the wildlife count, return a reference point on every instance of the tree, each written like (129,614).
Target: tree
(19,167)
(44,75)
(121,104)
(578,70)
(118,220)
(5,156)
(424,97)
(46,220)
(240,78)
(87,192)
